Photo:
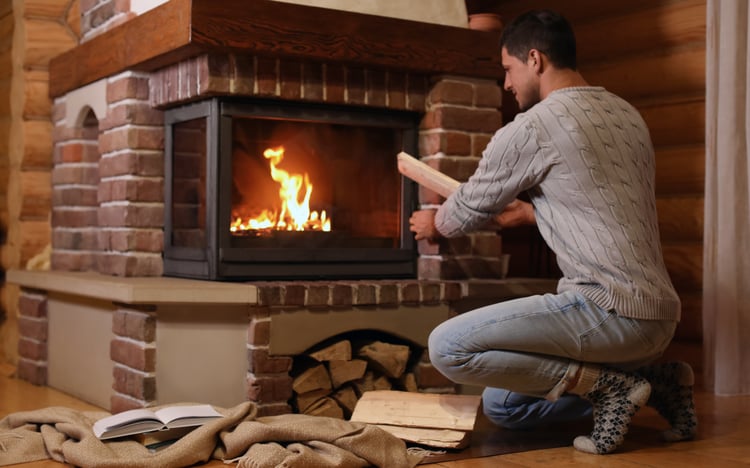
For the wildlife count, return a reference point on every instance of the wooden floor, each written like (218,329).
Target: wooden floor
(723,436)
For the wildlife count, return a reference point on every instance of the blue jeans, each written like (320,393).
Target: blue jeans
(528,345)
(516,411)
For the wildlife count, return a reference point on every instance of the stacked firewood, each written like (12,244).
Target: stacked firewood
(329,381)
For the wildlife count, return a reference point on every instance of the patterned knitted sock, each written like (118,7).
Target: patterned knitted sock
(615,397)
(672,396)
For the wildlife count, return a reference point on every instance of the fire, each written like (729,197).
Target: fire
(295,214)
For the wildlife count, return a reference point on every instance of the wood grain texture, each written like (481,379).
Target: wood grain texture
(180,29)
(723,438)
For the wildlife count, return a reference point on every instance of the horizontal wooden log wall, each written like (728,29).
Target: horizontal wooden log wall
(31,33)
(652,53)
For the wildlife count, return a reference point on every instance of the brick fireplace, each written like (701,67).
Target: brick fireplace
(140,330)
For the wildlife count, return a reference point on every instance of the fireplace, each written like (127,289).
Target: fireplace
(282,190)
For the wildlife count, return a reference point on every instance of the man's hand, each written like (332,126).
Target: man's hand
(517,213)
(422,224)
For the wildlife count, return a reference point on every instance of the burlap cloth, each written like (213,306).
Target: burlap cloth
(289,441)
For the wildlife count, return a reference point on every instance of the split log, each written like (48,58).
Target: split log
(426,410)
(365,384)
(408,382)
(326,406)
(443,438)
(347,399)
(425,175)
(381,382)
(314,378)
(339,351)
(342,371)
(388,358)
(304,400)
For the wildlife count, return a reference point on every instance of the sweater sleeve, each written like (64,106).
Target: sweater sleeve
(511,163)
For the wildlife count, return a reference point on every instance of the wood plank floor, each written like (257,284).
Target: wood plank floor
(723,436)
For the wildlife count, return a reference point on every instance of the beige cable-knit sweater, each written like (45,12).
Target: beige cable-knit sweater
(290,440)
(586,159)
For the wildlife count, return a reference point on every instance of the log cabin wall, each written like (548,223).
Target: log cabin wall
(31,33)
(652,53)
(655,59)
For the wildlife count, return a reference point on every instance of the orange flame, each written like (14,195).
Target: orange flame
(295,214)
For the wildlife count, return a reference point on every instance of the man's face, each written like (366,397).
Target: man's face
(521,79)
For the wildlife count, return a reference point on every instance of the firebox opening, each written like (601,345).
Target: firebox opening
(278,190)
(331,376)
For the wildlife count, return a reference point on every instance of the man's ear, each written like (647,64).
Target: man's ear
(535,60)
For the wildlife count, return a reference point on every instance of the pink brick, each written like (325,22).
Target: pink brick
(130,87)
(335,83)
(132,383)
(266,76)
(79,239)
(32,328)
(355,85)
(341,295)
(131,215)
(387,294)
(133,355)
(452,92)
(259,332)
(123,138)
(244,74)
(269,389)
(376,88)
(133,324)
(460,118)
(312,81)
(32,304)
(33,372)
(290,80)
(32,350)
(396,90)
(129,240)
(72,261)
(134,190)
(128,265)
(259,362)
(365,294)
(410,293)
(75,174)
(318,295)
(143,163)
(75,195)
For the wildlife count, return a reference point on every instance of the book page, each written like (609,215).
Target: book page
(134,420)
(192,412)
(124,418)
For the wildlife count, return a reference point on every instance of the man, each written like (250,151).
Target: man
(585,159)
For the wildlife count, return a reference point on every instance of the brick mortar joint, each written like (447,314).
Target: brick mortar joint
(38,363)
(144,374)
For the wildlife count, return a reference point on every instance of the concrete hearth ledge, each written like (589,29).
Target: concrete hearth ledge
(140,290)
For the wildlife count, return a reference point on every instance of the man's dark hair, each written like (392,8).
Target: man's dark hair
(545,31)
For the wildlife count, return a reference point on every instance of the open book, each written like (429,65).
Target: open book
(141,420)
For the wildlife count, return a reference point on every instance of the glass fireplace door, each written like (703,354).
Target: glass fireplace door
(302,191)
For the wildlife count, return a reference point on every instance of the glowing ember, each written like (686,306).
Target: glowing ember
(295,215)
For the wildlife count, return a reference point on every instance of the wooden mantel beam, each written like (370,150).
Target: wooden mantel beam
(180,29)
